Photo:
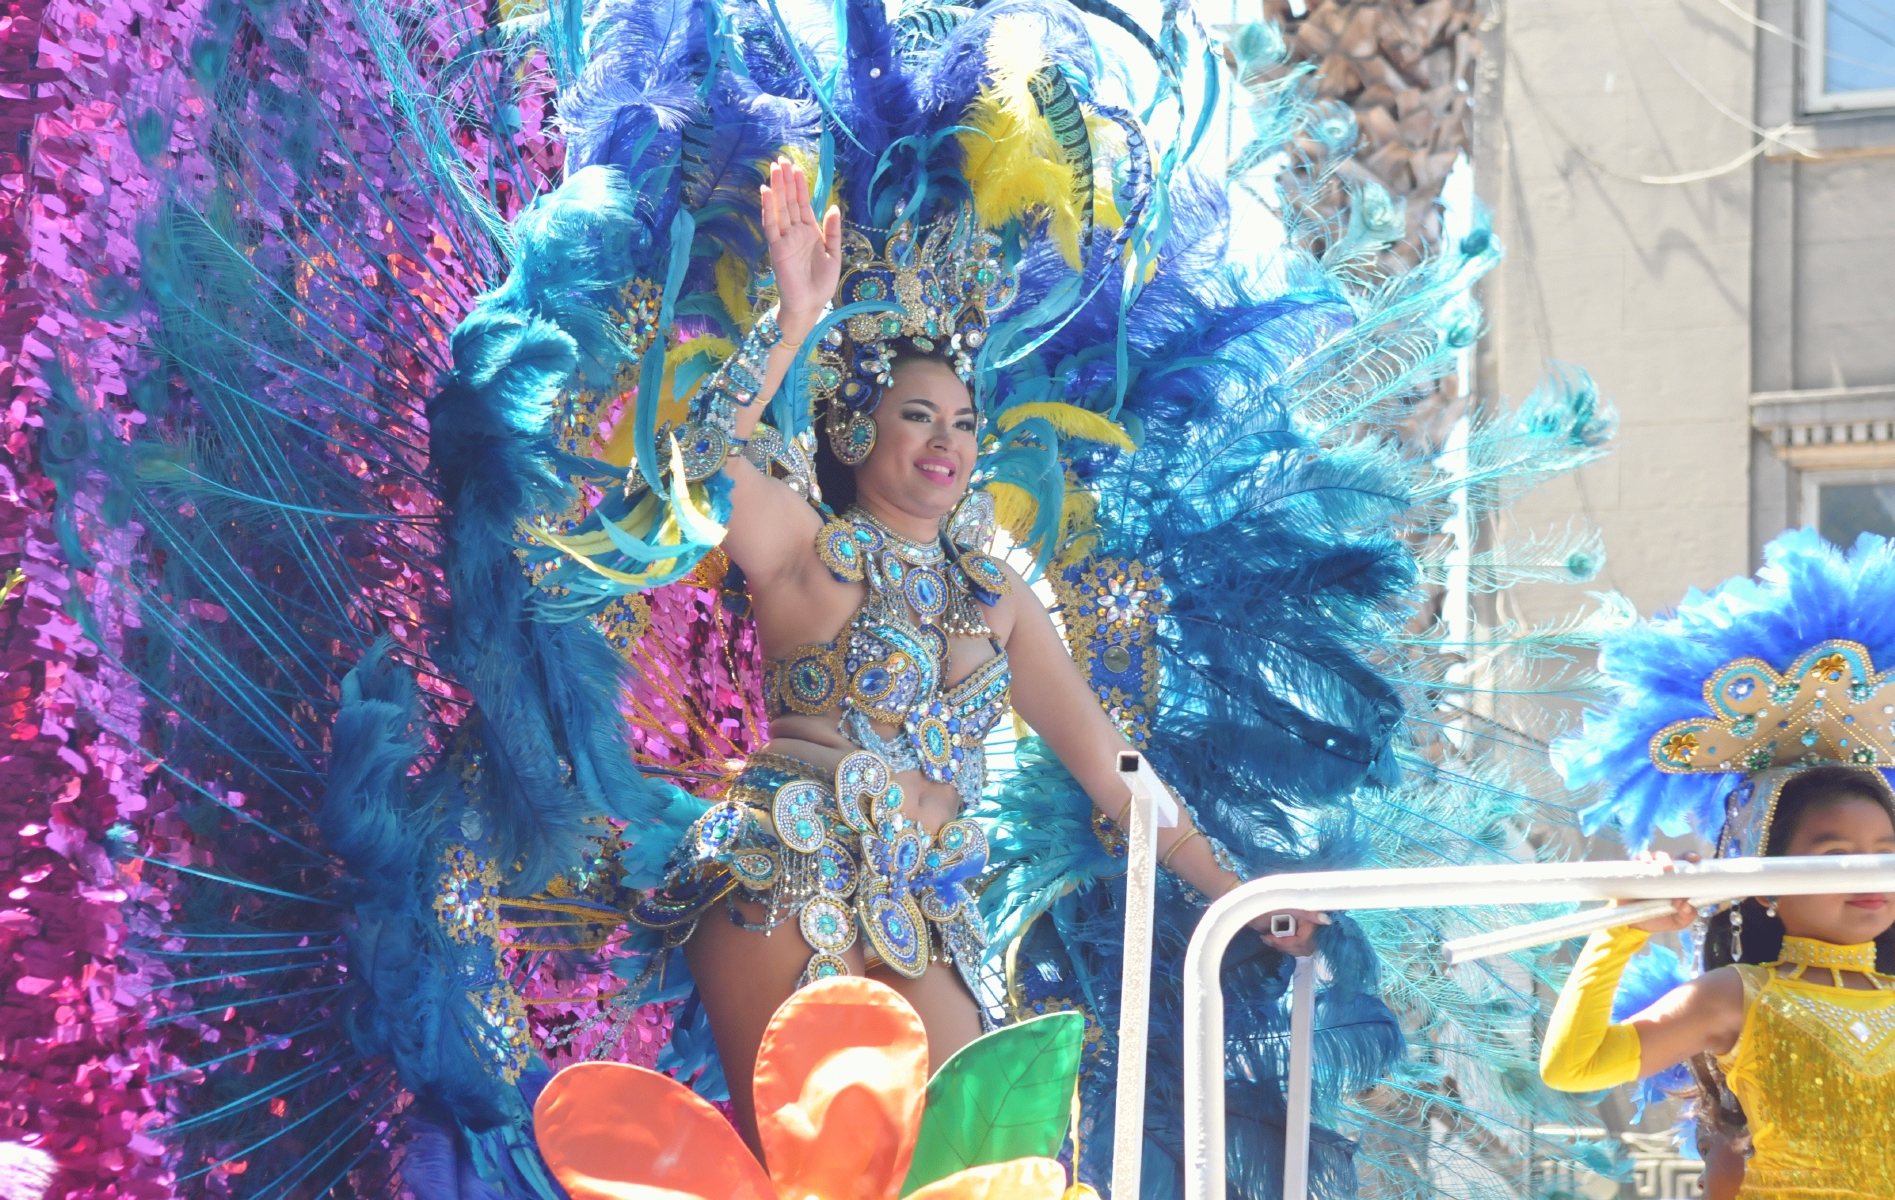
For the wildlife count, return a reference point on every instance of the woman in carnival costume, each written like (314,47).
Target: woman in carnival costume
(459,717)
(1790,1029)
(894,644)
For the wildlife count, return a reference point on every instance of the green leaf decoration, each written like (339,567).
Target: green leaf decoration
(1005,1096)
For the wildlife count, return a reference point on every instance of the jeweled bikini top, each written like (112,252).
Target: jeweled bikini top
(889,664)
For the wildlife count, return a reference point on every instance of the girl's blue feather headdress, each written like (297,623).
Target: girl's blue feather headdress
(1735,691)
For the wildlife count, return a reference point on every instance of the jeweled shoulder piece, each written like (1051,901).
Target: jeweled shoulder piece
(985,575)
(1829,706)
(972,524)
(844,549)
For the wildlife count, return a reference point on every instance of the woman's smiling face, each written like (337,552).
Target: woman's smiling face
(926,442)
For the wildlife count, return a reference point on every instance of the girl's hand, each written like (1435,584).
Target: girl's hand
(1682,914)
(1300,944)
(806,256)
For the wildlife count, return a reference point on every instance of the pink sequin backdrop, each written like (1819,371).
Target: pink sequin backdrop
(75,1054)
(84,88)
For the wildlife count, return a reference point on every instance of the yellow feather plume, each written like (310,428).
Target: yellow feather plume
(687,515)
(733,288)
(1014,509)
(1013,162)
(1079,527)
(1108,146)
(672,408)
(1070,420)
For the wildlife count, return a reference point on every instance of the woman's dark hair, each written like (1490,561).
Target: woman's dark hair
(837,481)
(1811,790)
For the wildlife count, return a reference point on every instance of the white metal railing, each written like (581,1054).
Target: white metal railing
(1150,809)
(1540,883)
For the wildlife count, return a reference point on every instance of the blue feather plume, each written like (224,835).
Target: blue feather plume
(1807,591)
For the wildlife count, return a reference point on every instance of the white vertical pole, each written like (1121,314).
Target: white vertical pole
(1296,1094)
(1151,807)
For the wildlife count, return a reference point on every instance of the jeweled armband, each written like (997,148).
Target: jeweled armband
(740,378)
(708,438)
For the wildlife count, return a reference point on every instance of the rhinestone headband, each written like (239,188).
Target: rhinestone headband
(1829,708)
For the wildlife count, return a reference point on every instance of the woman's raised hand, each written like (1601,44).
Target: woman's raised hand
(806,256)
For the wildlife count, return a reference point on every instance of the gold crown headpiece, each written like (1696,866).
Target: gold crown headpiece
(934,286)
(1828,708)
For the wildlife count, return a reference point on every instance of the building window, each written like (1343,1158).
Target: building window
(1849,57)
(1843,505)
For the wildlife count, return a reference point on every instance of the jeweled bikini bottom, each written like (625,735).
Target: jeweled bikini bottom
(836,853)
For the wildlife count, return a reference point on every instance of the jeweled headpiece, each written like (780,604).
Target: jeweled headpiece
(1784,664)
(1828,708)
(933,287)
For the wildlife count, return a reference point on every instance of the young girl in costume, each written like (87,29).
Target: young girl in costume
(1790,1030)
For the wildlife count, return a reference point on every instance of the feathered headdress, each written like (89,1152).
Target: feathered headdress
(972,162)
(1735,692)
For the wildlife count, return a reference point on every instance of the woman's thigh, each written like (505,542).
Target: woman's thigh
(947,1009)
(743,976)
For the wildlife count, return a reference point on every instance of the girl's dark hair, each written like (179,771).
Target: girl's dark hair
(1810,790)
(837,481)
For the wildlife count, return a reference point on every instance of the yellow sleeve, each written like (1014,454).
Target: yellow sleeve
(1584,1051)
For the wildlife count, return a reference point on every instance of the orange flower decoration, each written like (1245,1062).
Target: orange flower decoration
(841,1083)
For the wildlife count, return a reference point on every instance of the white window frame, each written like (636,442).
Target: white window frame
(1811,515)
(1816,96)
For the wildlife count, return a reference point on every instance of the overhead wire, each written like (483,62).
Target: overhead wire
(1774,136)
(1771,135)
(1778,31)
(1591,160)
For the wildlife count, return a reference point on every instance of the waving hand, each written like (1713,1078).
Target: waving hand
(806,255)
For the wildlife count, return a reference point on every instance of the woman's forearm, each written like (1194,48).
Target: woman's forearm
(1191,858)
(1184,849)
(734,398)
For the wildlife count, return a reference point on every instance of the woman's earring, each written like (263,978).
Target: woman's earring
(1770,909)
(852,439)
(1737,932)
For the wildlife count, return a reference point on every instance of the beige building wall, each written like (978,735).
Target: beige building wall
(1646,286)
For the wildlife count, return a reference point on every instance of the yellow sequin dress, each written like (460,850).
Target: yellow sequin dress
(1815,1070)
